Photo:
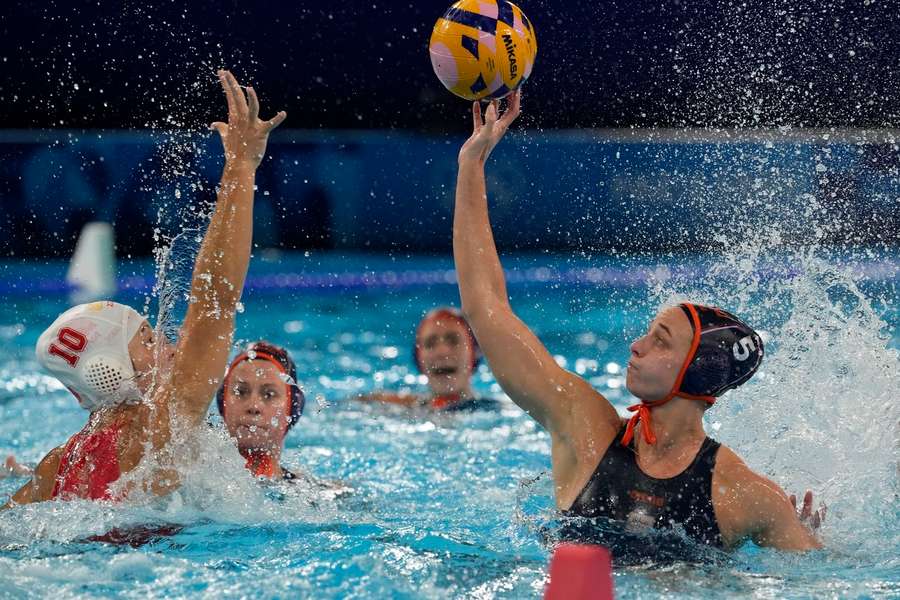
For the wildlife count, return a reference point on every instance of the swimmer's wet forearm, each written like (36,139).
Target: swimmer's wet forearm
(223,259)
(24,495)
(511,349)
(221,266)
(513,352)
(770,517)
(14,469)
(388,398)
(480,273)
(40,487)
(482,284)
(523,366)
(797,542)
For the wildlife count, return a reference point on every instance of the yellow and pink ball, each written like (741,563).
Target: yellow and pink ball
(483,49)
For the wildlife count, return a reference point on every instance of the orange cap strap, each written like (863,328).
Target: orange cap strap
(439,402)
(260,464)
(642,411)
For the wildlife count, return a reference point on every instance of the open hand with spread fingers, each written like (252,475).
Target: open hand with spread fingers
(810,518)
(244,135)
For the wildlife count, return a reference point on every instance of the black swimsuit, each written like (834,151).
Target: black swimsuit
(619,490)
(472,405)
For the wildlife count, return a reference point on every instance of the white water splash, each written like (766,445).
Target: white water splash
(823,411)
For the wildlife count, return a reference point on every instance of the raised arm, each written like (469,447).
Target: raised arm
(221,267)
(562,402)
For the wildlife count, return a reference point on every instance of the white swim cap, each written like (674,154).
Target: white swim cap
(86,348)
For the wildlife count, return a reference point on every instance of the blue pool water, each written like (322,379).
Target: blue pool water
(459,505)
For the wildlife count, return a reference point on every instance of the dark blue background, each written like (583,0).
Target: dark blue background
(85,71)
(393,191)
(362,64)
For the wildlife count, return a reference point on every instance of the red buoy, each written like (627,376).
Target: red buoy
(580,573)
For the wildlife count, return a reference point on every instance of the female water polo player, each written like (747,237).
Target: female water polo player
(135,385)
(260,400)
(446,352)
(659,469)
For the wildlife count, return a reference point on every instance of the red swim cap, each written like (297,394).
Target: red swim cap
(454,314)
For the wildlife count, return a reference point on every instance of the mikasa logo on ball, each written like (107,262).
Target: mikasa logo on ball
(511,52)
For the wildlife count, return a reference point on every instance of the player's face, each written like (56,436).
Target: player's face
(151,354)
(658,355)
(256,405)
(446,355)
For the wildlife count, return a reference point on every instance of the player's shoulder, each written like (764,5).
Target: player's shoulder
(45,473)
(734,475)
(51,461)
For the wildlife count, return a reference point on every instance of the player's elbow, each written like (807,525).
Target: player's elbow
(482,307)
(788,535)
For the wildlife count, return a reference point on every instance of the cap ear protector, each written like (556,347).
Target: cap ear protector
(726,352)
(87,349)
(282,360)
(447,312)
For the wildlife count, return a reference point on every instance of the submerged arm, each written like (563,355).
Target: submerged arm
(12,467)
(752,506)
(40,487)
(389,398)
(778,525)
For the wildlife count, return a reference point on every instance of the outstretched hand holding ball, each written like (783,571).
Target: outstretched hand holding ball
(489,130)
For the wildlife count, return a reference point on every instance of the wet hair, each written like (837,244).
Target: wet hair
(279,357)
